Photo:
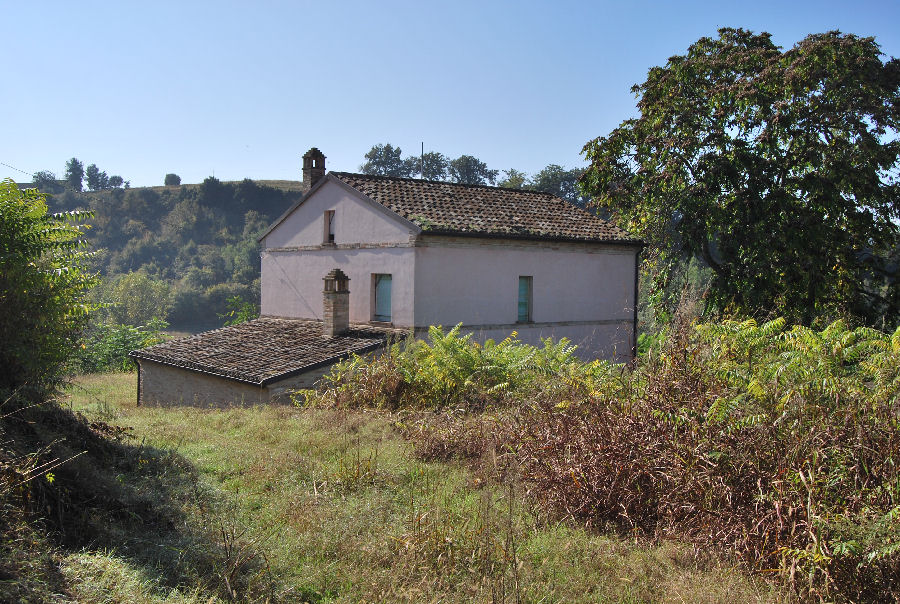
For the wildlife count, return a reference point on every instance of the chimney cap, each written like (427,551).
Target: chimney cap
(336,274)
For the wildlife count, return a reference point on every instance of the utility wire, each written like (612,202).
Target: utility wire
(15,168)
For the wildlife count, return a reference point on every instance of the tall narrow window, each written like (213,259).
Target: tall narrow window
(381,309)
(524,300)
(329,226)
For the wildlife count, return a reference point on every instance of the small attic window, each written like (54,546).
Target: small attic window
(329,226)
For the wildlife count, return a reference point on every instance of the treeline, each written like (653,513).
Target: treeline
(387,160)
(176,253)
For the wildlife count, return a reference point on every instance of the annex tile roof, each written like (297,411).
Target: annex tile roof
(264,350)
(474,210)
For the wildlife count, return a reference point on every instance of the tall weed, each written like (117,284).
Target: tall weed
(775,444)
(449,371)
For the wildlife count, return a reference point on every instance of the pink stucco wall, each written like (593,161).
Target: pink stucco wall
(583,292)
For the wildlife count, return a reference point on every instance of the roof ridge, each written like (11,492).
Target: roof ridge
(446,182)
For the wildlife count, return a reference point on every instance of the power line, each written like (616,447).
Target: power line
(15,168)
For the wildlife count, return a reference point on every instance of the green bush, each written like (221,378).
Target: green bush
(106,346)
(43,286)
(451,371)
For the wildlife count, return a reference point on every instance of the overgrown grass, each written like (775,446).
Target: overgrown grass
(332,505)
(776,445)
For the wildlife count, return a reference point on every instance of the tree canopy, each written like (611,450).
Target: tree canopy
(778,168)
(74,174)
(560,182)
(386,160)
(44,281)
(469,170)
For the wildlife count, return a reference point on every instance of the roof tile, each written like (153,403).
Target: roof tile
(453,209)
(263,350)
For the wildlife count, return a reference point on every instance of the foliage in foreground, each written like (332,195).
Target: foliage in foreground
(779,445)
(449,371)
(43,287)
(106,346)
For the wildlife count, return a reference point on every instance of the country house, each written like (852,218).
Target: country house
(360,259)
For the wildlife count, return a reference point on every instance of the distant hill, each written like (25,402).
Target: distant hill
(199,238)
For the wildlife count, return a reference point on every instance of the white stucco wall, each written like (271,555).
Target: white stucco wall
(582,292)
(357,221)
(163,385)
(292,281)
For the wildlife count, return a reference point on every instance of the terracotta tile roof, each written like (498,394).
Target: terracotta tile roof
(264,350)
(474,210)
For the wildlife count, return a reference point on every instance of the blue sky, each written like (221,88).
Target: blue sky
(242,90)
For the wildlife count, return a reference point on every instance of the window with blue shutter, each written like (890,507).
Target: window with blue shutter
(382,306)
(524,300)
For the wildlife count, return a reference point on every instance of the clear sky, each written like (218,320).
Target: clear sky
(243,89)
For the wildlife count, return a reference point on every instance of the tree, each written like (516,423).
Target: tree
(44,281)
(778,169)
(137,299)
(431,166)
(172,180)
(469,170)
(558,181)
(45,180)
(514,179)
(385,160)
(116,181)
(96,180)
(74,174)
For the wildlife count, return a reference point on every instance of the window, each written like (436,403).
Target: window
(329,226)
(524,300)
(381,307)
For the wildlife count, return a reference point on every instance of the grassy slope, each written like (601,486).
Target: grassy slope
(316,505)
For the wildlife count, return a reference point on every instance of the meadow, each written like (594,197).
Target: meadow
(288,504)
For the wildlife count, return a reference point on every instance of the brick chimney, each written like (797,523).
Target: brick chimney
(336,315)
(313,168)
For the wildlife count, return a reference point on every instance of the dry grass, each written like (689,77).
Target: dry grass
(323,505)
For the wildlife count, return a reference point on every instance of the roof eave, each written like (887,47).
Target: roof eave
(531,237)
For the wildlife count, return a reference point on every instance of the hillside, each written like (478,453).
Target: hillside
(200,240)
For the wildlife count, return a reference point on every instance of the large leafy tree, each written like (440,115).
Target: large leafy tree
(386,160)
(431,166)
(469,170)
(43,287)
(778,168)
(97,180)
(560,182)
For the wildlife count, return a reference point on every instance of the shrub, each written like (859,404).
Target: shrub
(43,287)
(779,445)
(106,346)
(449,371)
